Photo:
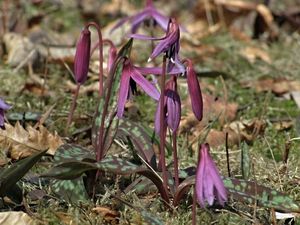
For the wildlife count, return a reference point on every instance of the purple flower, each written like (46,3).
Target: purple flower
(82,56)
(194,91)
(169,44)
(172,108)
(131,72)
(149,12)
(209,184)
(3,107)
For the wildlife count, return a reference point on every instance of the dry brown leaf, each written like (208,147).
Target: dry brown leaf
(108,214)
(15,218)
(20,50)
(21,143)
(278,86)
(253,53)
(283,125)
(212,108)
(237,131)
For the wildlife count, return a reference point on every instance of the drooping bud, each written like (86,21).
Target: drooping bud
(194,91)
(173,109)
(82,56)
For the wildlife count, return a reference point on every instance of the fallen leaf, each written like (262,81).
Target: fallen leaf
(15,218)
(278,86)
(296,97)
(283,125)
(253,53)
(21,143)
(108,214)
(238,131)
(21,50)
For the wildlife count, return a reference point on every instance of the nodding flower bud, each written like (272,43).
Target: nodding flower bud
(194,91)
(82,56)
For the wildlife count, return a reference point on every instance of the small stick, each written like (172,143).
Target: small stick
(227,155)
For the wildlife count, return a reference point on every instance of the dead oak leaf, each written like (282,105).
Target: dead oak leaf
(21,143)
(278,86)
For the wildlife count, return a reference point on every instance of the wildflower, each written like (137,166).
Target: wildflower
(172,108)
(3,107)
(194,91)
(149,12)
(82,56)
(209,184)
(131,72)
(169,44)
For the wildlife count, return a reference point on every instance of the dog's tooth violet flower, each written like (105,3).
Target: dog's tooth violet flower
(131,72)
(169,44)
(209,184)
(149,12)
(3,107)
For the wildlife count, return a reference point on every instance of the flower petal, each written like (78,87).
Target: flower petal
(120,23)
(4,105)
(157,70)
(144,37)
(162,20)
(144,84)
(124,88)
(138,19)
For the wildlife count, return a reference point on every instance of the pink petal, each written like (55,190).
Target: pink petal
(124,88)
(160,19)
(144,84)
(156,70)
(120,23)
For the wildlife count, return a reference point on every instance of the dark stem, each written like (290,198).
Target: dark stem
(162,126)
(175,158)
(73,107)
(194,208)
(227,155)
(100,56)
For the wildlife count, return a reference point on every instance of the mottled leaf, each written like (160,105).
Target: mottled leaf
(250,192)
(72,152)
(74,169)
(111,93)
(245,160)
(72,191)
(11,175)
(150,218)
(140,140)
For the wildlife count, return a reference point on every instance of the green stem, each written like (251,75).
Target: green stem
(73,107)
